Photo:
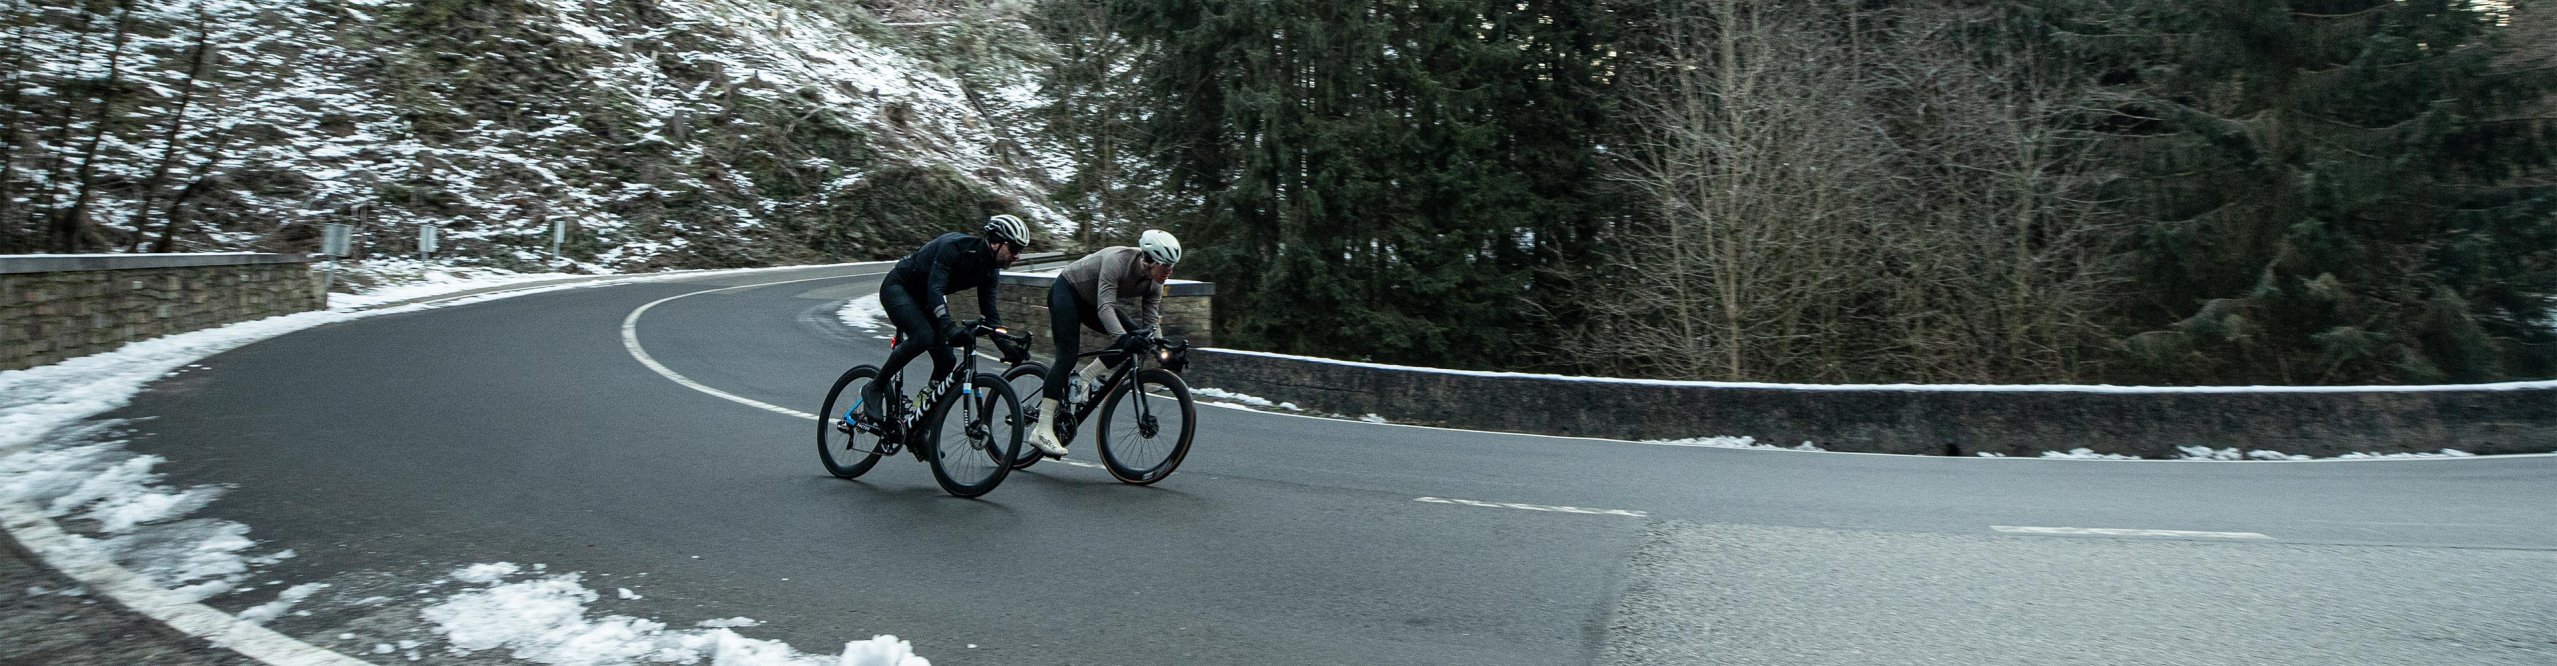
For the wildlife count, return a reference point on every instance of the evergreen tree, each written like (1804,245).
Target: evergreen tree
(2339,190)
(1373,179)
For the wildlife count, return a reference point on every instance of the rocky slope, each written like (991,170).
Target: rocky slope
(665,133)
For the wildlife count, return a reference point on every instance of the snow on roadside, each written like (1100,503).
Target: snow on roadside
(59,463)
(545,620)
(2445,453)
(2083,453)
(2205,453)
(1239,398)
(404,279)
(1725,442)
(863,312)
(284,601)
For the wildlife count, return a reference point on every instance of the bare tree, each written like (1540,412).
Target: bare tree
(1830,192)
(203,177)
(1757,166)
(197,61)
(2013,258)
(72,231)
(13,128)
(55,159)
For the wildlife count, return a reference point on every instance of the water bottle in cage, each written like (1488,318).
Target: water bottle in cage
(1086,382)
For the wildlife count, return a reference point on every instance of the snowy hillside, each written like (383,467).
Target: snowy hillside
(665,132)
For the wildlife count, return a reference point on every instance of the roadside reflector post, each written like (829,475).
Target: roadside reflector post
(334,241)
(425,241)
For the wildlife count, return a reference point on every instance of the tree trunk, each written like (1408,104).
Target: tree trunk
(195,182)
(177,127)
(12,133)
(61,133)
(71,229)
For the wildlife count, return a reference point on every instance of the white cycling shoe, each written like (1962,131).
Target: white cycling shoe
(1043,435)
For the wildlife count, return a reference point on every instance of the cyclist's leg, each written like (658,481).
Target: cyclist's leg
(1066,314)
(919,335)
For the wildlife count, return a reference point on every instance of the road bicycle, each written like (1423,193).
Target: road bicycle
(1146,416)
(968,457)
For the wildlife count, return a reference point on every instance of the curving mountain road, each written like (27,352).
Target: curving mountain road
(387,451)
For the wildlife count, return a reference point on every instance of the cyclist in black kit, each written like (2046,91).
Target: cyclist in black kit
(912,293)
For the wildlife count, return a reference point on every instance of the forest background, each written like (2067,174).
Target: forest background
(2031,191)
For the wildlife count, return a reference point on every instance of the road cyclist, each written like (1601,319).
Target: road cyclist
(1147,417)
(971,458)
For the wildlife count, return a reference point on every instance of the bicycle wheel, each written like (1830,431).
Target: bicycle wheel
(1145,427)
(970,455)
(846,452)
(1026,381)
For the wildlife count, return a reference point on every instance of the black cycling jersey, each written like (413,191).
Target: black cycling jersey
(953,262)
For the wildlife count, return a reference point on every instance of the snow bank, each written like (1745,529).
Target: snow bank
(545,620)
(66,467)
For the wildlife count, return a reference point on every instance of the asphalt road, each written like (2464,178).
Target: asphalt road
(387,451)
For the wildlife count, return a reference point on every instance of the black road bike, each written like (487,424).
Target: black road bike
(1146,415)
(969,455)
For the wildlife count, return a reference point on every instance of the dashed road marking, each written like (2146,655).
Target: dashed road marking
(1531,507)
(2114,531)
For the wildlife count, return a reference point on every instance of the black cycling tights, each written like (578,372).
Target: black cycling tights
(922,332)
(1068,315)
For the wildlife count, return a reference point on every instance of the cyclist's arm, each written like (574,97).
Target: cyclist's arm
(1108,291)
(985,298)
(1152,319)
(935,286)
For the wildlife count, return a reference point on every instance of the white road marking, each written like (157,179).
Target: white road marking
(1531,507)
(61,550)
(630,340)
(50,543)
(2111,531)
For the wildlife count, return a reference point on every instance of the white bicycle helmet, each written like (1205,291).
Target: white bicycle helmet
(1159,246)
(1008,229)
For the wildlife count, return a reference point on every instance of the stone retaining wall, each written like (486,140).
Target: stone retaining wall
(56,307)
(2488,419)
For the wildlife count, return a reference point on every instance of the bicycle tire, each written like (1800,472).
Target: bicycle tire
(1121,453)
(1037,373)
(998,412)
(839,450)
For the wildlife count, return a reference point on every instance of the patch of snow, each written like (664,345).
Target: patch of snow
(1729,442)
(2445,453)
(486,572)
(545,621)
(2208,453)
(267,612)
(729,623)
(2083,453)
(404,279)
(864,312)
(1239,398)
